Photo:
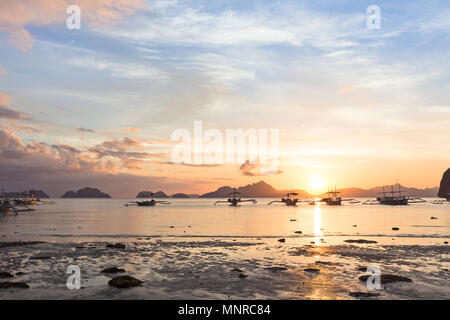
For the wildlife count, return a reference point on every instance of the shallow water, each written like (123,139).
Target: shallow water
(87,218)
(190,250)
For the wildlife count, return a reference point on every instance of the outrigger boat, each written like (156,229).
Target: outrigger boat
(334,200)
(6,206)
(146,203)
(394,198)
(288,199)
(27,200)
(236,200)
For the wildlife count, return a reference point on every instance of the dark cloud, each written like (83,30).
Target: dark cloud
(81,129)
(58,168)
(11,114)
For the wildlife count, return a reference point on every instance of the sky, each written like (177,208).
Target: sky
(97,106)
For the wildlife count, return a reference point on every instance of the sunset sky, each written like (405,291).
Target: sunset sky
(97,106)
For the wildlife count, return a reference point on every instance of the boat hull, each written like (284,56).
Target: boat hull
(395,202)
(334,202)
(146,203)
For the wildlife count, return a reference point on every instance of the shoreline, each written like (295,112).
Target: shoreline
(173,268)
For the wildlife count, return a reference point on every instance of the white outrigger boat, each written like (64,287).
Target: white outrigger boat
(236,200)
(146,203)
(7,206)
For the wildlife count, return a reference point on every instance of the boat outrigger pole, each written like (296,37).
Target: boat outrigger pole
(146,203)
(236,200)
(288,199)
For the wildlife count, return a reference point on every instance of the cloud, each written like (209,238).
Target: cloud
(7,112)
(255,169)
(4,99)
(132,71)
(132,152)
(82,129)
(17,16)
(131,129)
(347,89)
(10,114)
(60,167)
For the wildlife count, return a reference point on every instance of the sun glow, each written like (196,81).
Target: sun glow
(317,183)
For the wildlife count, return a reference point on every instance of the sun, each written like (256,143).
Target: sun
(317,183)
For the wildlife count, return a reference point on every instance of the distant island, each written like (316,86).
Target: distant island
(260,189)
(444,188)
(180,196)
(149,194)
(86,193)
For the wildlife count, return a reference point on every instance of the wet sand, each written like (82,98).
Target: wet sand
(228,268)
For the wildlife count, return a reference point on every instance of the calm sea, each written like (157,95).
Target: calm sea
(88,219)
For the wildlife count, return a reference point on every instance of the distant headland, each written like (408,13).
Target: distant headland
(444,188)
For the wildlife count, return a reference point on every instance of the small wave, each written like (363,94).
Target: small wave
(124,236)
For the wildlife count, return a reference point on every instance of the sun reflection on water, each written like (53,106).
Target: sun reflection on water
(317,223)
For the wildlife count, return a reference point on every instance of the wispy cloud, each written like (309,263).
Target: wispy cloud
(82,129)
(133,71)
(17,16)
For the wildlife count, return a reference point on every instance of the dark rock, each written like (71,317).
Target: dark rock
(359,241)
(19,243)
(433,218)
(387,278)
(298,232)
(124,282)
(236,270)
(362,269)
(292,220)
(324,263)
(354,226)
(9,285)
(242,276)
(116,246)
(20,273)
(40,258)
(112,270)
(395,228)
(276,269)
(282,240)
(299,252)
(444,188)
(5,275)
(363,294)
(312,270)
(445,242)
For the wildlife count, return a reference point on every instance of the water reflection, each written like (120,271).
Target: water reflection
(317,223)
